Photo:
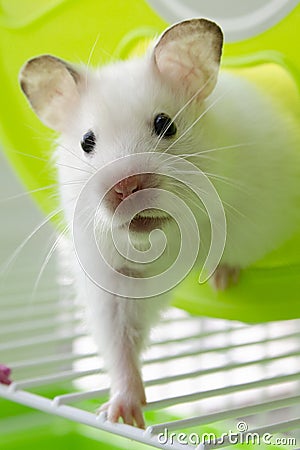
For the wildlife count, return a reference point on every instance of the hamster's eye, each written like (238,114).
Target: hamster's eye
(163,125)
(88,141)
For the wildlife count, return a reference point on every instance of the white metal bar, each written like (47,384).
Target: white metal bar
(53,378)
(14,298)
(87,418)
(72,357)
(39,310)
(230,366)
(68,357)
(41,340)
(79,396)
(159,404)
(189,337)
(71,375)
(200,350)
(164,403)
(198,335)
(184,318)
(225,414)
(37,325)
(50,360)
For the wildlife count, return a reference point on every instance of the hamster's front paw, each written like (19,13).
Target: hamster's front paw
(128,407)
(224,276)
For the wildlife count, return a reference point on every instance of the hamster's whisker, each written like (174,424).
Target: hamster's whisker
(38,133)
(90,58)
(47,259)
(189,155)
(183,192)
(28,155)
(186,195)
(239,213)
(210,150)
(200,208)
(233,183)
(74,167)
(78,157)
(192,98)
(197,120)
(103,230)
(230,181)
(33,191)
(4,268)
(89,216)
(27,193)
(243,144)
(49,161)
(89,221)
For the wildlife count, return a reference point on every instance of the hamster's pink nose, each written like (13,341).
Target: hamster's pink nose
(127,186)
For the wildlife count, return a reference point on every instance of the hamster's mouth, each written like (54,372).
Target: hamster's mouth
(146,223)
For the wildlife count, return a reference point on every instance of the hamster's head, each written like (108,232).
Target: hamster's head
(143,106)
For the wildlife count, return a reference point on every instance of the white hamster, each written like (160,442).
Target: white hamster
(170,101)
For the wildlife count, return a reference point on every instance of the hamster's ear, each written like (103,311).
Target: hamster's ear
(52,88)
(188,55)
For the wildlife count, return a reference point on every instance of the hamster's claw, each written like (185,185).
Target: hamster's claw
(224,277)
(129,410)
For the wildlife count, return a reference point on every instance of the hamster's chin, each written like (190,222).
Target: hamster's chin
(145,224)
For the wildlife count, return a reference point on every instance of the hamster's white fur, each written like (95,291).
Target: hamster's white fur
(243,142)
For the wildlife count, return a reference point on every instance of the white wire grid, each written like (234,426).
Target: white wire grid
(200,374)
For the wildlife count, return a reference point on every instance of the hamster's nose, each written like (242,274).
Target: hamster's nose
(127,186)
